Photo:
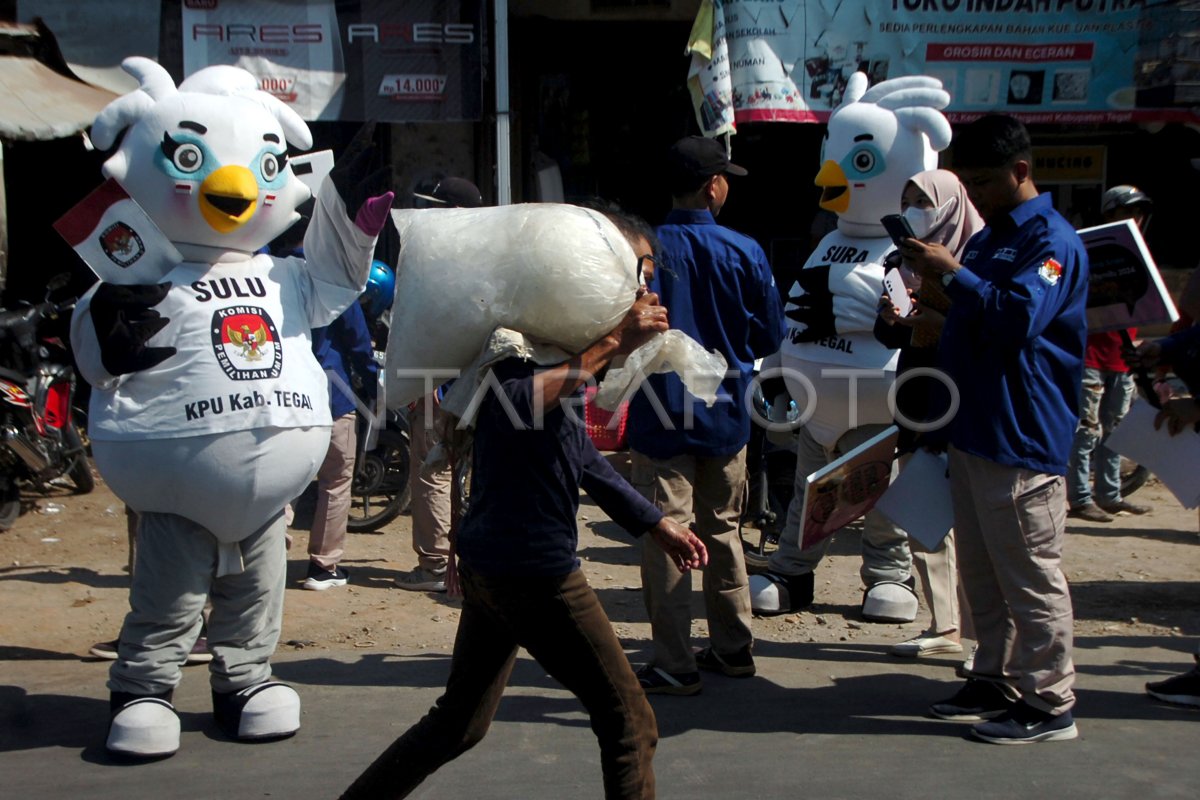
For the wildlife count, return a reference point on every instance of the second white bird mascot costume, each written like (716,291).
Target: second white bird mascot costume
(878,138)
(209,412)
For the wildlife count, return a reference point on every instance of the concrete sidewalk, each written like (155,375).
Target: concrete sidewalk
(820,720)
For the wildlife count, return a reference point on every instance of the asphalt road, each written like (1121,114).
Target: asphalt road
(821,720)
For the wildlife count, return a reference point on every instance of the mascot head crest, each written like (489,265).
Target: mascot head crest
(207,160)
(877,139)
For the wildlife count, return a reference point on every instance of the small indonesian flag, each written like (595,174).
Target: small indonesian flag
(116,238)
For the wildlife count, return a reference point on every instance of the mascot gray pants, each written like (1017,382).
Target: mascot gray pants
(176,572)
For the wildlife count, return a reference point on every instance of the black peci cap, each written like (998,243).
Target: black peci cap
(693,159)
(454,193)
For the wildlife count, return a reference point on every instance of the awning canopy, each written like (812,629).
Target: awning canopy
(36,103)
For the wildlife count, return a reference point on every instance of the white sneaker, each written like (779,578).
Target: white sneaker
(925,644)
(422,580)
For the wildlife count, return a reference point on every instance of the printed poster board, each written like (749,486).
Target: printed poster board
(116,239)
(1125,289)
(848,487)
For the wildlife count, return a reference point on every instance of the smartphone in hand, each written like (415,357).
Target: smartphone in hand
(897,292)
(897,227)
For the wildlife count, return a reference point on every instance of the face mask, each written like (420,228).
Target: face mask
(924,221)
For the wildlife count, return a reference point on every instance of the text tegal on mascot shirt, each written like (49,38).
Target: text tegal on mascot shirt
(244,360)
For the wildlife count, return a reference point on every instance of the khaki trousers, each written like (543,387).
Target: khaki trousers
(327,542)
(1010,524)
(430,503)
(706,494)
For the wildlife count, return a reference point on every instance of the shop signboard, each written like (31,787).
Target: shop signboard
(417,61)
(1044,61)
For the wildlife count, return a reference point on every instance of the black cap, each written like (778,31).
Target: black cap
(455,193)
(693,159)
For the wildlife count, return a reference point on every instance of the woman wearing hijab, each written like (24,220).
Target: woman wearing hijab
(936,207)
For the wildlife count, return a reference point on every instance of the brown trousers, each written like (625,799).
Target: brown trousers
(561,623)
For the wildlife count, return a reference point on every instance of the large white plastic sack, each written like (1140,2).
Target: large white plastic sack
(559,274)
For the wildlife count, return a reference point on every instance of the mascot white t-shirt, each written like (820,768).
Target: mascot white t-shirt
(847,371)
(241,361)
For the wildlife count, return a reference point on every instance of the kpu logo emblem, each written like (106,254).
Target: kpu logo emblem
(122,244)
(246,343)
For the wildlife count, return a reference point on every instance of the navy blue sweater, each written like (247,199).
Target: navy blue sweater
(525,482)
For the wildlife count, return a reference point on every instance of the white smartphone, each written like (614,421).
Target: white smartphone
(897,292)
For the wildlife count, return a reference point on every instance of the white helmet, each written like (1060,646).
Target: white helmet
(1121,196)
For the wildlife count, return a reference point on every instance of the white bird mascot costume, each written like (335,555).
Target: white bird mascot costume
(878,138)
(209,412)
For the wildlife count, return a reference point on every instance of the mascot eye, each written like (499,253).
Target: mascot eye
(864,161)
(184,156)
(270,166)
(188,158)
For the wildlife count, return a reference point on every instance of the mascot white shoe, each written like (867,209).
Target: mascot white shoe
(265,711)
(209,412)
(890,601)
(772,594)
(143,727)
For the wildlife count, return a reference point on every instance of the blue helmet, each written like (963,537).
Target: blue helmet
(381,286)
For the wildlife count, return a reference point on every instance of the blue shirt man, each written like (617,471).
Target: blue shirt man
(1013,346)
(689,460)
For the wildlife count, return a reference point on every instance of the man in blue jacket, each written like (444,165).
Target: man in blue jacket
(344,349)
(690,460)
(1013,344)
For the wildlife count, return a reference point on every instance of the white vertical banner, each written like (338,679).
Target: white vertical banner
(708,73)
(293,47)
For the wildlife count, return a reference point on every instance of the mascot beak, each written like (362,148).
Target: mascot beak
(836,194)
(228,198)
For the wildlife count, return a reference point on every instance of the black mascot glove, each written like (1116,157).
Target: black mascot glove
(813,308)
(362,183)
(124,319)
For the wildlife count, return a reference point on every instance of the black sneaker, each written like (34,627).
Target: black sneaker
(319,579)
(735,665)
(658,681)
(1182,689)
(1024,724)
(976,701)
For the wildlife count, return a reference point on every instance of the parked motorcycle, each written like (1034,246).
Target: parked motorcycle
(39,439)
(379,491)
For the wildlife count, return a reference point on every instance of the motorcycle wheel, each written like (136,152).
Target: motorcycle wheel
(10,504)
(1133,477)
(80,472)
(380,489)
